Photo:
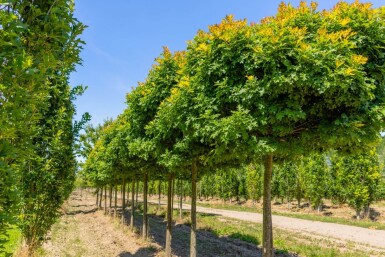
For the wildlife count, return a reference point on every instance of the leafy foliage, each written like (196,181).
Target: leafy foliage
(359,179)
(40,48)
(298,83)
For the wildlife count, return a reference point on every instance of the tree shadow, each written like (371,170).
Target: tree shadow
(373,214)
(328,213)
(72,213)
(82,205)
(142,252)
(208,243)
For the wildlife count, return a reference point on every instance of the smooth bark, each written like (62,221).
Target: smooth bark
(137,192)
(123,200)
(100,197)
(97,197)
(159,193)
(145,218)
(128,193)
(172,196)
(180,199)
(132,205)
(105,199)
(267,234)
(110,207)
(116,200)
(193,236)
(169,215)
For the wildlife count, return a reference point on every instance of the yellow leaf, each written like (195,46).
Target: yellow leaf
(359,59)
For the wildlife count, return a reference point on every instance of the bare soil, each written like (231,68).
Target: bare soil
(85,231)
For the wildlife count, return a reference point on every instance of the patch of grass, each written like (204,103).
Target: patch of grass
(284,241)
(312,217)
(351,222)
(14,240)
(380,204)
(41,252)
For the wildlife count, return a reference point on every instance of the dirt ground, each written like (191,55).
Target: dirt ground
(85,231)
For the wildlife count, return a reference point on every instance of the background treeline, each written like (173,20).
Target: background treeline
(356,180)
(40,45)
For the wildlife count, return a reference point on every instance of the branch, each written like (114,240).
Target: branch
(49,10)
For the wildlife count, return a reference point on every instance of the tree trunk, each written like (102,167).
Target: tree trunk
(123,200)
(172,196)
(116,200)
(100,197)
(169,215)
(105,199)
(132,205)
(358,214)
(110,209)
(367,211)
(137,192)
(267,236)
(193,237)
(180,199)
(145,218)
(97,197)
(128,193)
(159,192)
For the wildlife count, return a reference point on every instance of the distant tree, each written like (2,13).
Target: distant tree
(143,104)
(254,182)
(359,177)
(317,180)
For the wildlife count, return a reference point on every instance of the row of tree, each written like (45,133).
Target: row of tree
(40,47)
(301,82)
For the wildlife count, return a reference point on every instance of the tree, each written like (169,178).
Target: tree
(20,98)
(143,103)
(254,182)
(41,49)
(299,82)
(317,179)
(359,179)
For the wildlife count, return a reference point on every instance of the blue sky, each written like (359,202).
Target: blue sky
(125,36)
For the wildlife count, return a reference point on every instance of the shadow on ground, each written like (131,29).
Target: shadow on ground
(71,213)
(208,244)
(142,252)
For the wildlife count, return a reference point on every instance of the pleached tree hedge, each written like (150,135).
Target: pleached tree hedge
(298,83)
(301,81)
